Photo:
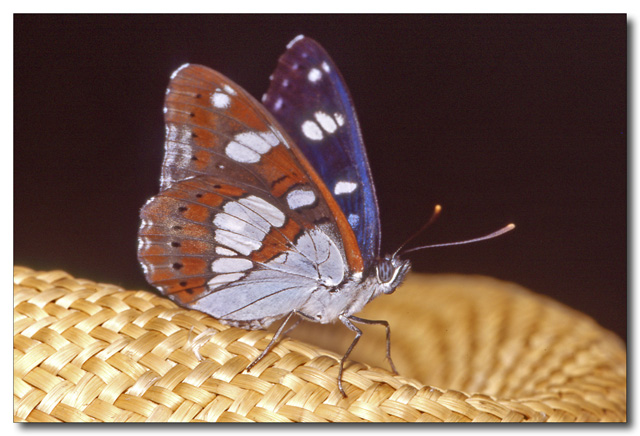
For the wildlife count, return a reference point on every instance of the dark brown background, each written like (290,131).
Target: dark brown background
(498,118)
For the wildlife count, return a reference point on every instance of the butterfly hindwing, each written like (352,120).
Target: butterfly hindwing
(232,252)
(309,98)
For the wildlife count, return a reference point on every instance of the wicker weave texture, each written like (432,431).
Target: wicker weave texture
(467,348)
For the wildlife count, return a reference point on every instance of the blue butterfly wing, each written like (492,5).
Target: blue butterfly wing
(309,98)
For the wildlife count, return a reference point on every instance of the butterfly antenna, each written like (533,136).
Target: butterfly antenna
(434,216)
(495,234)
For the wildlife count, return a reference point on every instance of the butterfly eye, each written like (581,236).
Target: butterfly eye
(385,271)
(390,272)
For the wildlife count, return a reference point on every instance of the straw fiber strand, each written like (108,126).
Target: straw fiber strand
(467,348)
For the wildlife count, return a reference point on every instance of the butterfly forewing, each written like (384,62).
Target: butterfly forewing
(243,227)
(309,98)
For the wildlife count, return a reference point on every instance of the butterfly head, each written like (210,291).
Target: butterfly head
(390,272)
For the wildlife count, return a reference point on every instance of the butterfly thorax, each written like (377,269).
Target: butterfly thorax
(329,304)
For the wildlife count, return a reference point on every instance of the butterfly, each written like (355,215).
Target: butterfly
(267,211)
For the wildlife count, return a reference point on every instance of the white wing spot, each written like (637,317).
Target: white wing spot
(354,220)
(240,153)
(278,104)
(339,118)
(230,90)
(311,130)
(229,265)
(344,187)
(266,210)
(254,141)
(220,100)
(314,75)
(245,223)
(247,147)
(240,243)
(222,279)
(242,224)
(300,198)
(326,122)
(325,66)
(271,139)
(225,251)
(142,243)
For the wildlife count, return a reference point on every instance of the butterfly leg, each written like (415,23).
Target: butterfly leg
(347,322)
(276,337)
(386,326)
(295,324)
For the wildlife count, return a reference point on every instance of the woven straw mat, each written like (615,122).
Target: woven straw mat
(467,348)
